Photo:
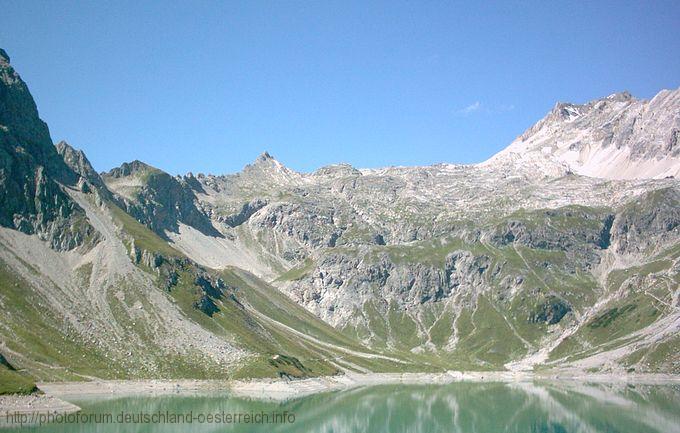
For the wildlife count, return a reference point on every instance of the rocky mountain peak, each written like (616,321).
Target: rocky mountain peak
(615,137)
(130,168)
(266,161)
(624,96)
(266,169)
(19,115)
(571,111)
(76,160)
(264,156)
(69,153)
(4,57)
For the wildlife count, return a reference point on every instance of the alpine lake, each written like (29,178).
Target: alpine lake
(526,407)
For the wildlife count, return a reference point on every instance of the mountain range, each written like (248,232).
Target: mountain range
(560,252)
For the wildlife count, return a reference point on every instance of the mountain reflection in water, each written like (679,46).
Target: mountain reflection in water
(559,407)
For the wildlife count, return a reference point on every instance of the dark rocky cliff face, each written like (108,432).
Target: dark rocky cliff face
(32,173)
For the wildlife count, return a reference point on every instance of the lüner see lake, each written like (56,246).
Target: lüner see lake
(461,407)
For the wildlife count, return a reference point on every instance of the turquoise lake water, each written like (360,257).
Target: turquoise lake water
(461,407)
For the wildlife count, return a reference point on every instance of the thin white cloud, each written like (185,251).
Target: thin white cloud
(475,106)
(478,107)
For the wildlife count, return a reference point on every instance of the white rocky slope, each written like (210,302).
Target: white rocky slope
(617,137)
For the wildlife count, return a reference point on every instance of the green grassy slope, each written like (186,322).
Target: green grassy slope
(40,339)
(12,382)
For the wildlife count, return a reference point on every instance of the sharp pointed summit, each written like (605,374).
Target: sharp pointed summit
(78,162)
(265,159)
(264,156)
(269,170)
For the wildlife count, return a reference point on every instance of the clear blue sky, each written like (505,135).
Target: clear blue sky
(206,86)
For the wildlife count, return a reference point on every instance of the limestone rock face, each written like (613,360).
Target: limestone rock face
(649,221)
(617,137)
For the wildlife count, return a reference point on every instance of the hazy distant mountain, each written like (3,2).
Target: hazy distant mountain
(561,251)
